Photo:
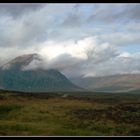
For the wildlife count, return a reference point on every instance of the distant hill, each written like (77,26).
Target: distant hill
(13,77)
(114,83)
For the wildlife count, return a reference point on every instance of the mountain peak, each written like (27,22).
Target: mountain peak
(21,61)
(13,76)
(25,57)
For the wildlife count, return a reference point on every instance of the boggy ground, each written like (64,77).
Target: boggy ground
(57,115)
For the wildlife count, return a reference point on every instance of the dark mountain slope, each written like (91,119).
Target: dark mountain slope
(12,77)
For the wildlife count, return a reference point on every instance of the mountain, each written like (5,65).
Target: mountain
(21,61)
(13,76)
(114,83)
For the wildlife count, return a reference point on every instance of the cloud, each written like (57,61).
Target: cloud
(72,20)
(115,13)
(34,24)
(85,57)
(122,64)
(24,31)
(133,27)
(8,53)
(74,58)
(73,38)
(40,22)
(15,10)
(121,39)
(133,12)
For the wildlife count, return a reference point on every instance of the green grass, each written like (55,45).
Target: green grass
(53,115)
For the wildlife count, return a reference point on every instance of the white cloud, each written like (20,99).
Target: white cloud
(78,48)
(122,64)
(125,55)
(121,38)
(74,58)
(85,57)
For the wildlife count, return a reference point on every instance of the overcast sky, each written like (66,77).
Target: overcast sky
(77,39)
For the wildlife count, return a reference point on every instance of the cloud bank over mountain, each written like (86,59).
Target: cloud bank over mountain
(77,39)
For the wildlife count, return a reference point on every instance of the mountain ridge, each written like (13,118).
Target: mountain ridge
(35,80)
(116,83)
(22,60)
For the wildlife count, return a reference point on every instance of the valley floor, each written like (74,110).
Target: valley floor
(58,115)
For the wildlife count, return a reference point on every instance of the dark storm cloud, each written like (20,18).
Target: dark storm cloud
(115,13)
(72,20)
(26,30)
(17,9)
(29,24)
(133,12)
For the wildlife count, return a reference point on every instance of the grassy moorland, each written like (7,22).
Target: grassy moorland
(63,114)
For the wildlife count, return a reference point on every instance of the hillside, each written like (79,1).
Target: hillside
(115,83)
(13,77)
